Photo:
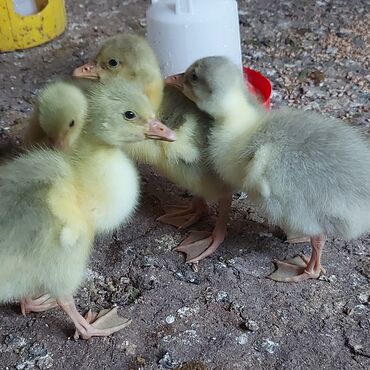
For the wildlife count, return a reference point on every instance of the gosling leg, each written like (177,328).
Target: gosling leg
(43,303)
(200,244)
(298,268)
(183,216)
(105,324)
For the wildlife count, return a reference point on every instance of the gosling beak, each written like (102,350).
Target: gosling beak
(58,143)
(176,81)
(158,131)
(88,70)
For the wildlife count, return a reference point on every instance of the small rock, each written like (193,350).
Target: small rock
(167,362)
(111,288)
(221,263)
(37,350)
(332,279)
(13,341)
(188,276)
(140,360)
(270,346)
(166,242)
(183,311)
(23,366)
(170,319)
(45,363)
(230,262)
(148,261)
(242,339)
(187,311)
(167,338)
(348,311)
(222,297)
(359,309)
(355,310)
(251,325)
(191,333)
(19,55)
(364,297)
(124,280)
(128,347)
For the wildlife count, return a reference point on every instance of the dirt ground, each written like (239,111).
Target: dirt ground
(228,315)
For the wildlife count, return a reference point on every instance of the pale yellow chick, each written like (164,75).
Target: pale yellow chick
(53,204)
(184,161)
(57,120)
(307,173)
(129,56)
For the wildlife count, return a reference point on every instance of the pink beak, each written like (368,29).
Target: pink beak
(158,131)
(176,81)
(88,70)
(58,143)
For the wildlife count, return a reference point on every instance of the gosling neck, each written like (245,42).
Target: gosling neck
(154,91)
(89,144)
(236,114)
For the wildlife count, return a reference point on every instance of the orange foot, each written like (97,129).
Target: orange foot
(183,216)
(43,303)
(107,319)
(295,270)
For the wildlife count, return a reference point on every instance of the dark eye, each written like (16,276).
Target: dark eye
(129,115)
(194,77)
(72,123)
(113,63)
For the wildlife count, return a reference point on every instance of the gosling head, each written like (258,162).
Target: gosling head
(211,83)
(62,110)
(121,55)
(120,113)
(131,57)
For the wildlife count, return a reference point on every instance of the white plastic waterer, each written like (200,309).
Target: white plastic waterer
(182,31)
(25,7)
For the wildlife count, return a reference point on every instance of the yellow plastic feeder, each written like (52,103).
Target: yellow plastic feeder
(28,23)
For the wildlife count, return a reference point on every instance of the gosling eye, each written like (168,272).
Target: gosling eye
(113,63)
(194,77)
(72,123)
(129,115)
